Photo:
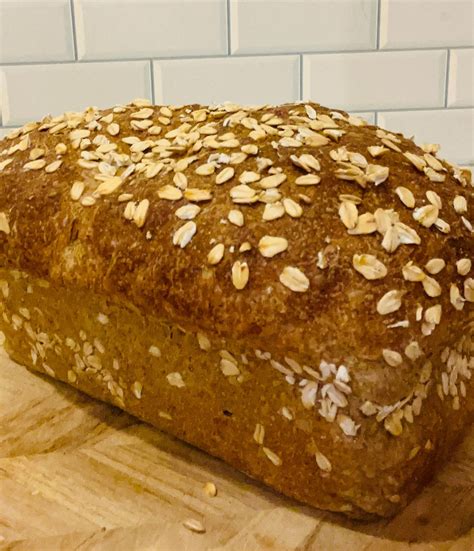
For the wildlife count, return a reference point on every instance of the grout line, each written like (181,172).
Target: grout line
(376,118)
(446,80)
(73,23)
(228,26)
(152,82)
(442,108)
(377,44)
(220,56)
(301,78)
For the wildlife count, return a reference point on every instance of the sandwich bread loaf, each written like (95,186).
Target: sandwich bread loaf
(286,287)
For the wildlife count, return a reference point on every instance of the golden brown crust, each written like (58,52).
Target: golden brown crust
(362,218)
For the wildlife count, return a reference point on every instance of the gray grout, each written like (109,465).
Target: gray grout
(73,25)
(152,82)
(301,76)
(228,26)
(378,25)
(446,82)
(225,56)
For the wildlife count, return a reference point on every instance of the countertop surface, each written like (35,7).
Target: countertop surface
(79,474)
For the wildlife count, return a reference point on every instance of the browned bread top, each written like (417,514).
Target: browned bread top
(297,228)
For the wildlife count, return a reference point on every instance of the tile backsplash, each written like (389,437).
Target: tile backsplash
(404,64)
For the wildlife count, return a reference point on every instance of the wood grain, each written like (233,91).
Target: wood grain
(76,474)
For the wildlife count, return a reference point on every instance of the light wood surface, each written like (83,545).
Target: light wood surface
(79,474)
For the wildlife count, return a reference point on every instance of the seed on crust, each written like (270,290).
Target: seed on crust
(426,215)
(225,175)
(4,225)
(205,169)
(411,272)
(236,217)
(188,212)
(240,274)
(348,214)
(463,266)
(294,279)
(369,266)
(183,235)
(197,195)
(35,165)
(140,213)
(469,289)
(273,211)
(170,193)
(323,462)
(259,433)
(417,161)
(272,181)
(392,357)
(435,265)
(431,286)
(270,246)
(455,297)
(405,196)
(460,204)
(308,180)
(272,456)
(292,208)
(390,302)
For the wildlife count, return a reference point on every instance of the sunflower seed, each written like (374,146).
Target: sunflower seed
(205,169)
(435,265)
(412,272)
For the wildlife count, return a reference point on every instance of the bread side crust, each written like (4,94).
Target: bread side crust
(186,384)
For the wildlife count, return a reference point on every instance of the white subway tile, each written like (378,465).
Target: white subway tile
(461,78)
(376,80)
(426,23)
(304,25)
(125,29)
(32,91)
(35,30)
(453,129)
(246,80)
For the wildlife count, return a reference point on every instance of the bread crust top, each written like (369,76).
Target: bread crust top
(295,228)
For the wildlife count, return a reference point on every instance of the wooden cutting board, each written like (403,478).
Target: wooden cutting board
(79,474)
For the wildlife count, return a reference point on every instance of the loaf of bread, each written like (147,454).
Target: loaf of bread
(285,287)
